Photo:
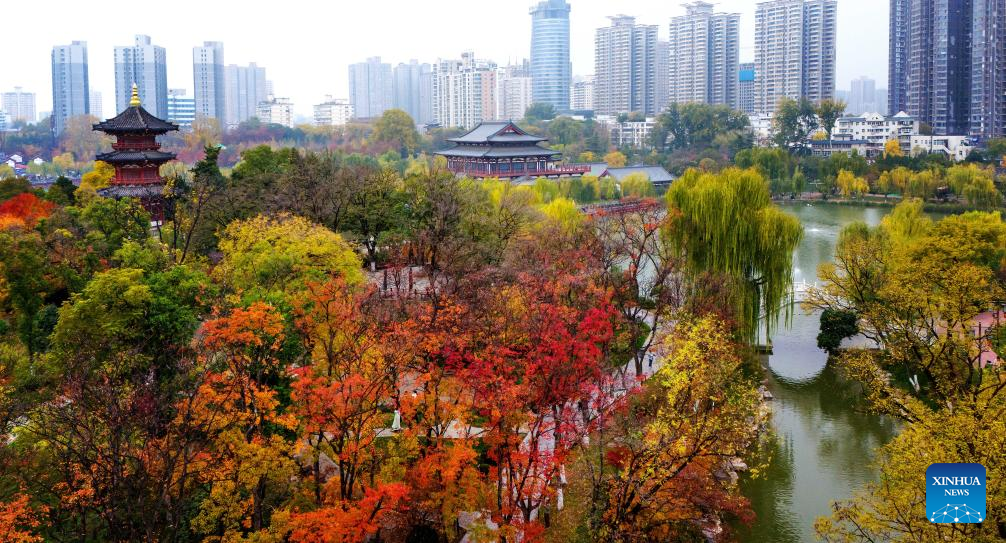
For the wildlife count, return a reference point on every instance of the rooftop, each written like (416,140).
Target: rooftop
(497,132)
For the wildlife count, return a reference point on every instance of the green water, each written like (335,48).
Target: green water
(824,441)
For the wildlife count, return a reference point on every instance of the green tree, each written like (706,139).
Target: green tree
(793,122)
(773,163)
(828,112)
(565,131)
(836,325)
(539,111)
(112,222)
(683,126)
(62,191)
(375,209)
(726,223)
(397,127)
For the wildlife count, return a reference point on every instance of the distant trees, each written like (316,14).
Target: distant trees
(696,125)
(397,128)
(828,112)
(539,111)
(793,122)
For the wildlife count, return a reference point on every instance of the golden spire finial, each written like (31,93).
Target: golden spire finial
(135,100)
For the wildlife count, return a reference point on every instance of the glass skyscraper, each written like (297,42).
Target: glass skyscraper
(551,71)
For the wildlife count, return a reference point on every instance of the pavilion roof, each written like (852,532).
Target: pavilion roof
(489,151)
(497,132)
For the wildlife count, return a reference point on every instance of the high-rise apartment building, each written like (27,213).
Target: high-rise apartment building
(19,105)
(794,51)
(746,87)
(371,88)
(181,108)
(245,90)
(662,91)
(208,78)
(464,91)
(931,62)
(551,70)
(582,94)
(143,64)
(704,56)
(625,67)
(70,87)
(97,105)
(414,90)
(988,69)
(333,112)
(948,65)
(514,92)
(897,60)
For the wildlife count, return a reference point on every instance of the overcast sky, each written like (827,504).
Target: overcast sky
(306,45)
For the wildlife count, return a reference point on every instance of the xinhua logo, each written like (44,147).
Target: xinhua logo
(955,493)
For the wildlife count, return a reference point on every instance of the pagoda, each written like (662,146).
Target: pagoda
(501,149)
(136,156)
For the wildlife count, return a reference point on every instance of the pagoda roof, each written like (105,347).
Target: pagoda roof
(497,132)
(150,190)
(135,119)
(119,157)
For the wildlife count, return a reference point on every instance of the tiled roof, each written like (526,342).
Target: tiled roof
(135,119)
(135,156)
(657,174)
(489,151)
(497,132)
(132,191)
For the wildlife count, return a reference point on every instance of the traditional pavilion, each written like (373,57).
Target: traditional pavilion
(502,149)
(136,156)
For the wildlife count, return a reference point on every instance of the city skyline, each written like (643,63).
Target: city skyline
(862,40)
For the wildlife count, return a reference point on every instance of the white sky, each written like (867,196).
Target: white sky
(306,45)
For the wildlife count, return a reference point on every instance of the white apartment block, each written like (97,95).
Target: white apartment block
(878,129)
(20,105)
(582,94)
(794,51)
(513,93)
(956,148)
(464,91)
(635,134)
(333,112)
(704,56)
(275,111)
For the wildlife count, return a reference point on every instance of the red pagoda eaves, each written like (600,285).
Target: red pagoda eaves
(136,156)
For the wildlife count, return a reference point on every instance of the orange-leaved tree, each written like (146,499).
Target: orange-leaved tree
(25,209)
(246,465)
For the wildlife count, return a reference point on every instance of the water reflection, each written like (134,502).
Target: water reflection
(824,440)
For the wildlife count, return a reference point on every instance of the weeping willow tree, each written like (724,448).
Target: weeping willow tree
(725,222)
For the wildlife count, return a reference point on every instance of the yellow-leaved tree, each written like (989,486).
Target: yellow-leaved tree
(921,289)
(893,148)
(616,159)
(281,253)
(850,185)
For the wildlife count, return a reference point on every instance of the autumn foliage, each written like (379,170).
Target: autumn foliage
(25,210)
(258,385)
